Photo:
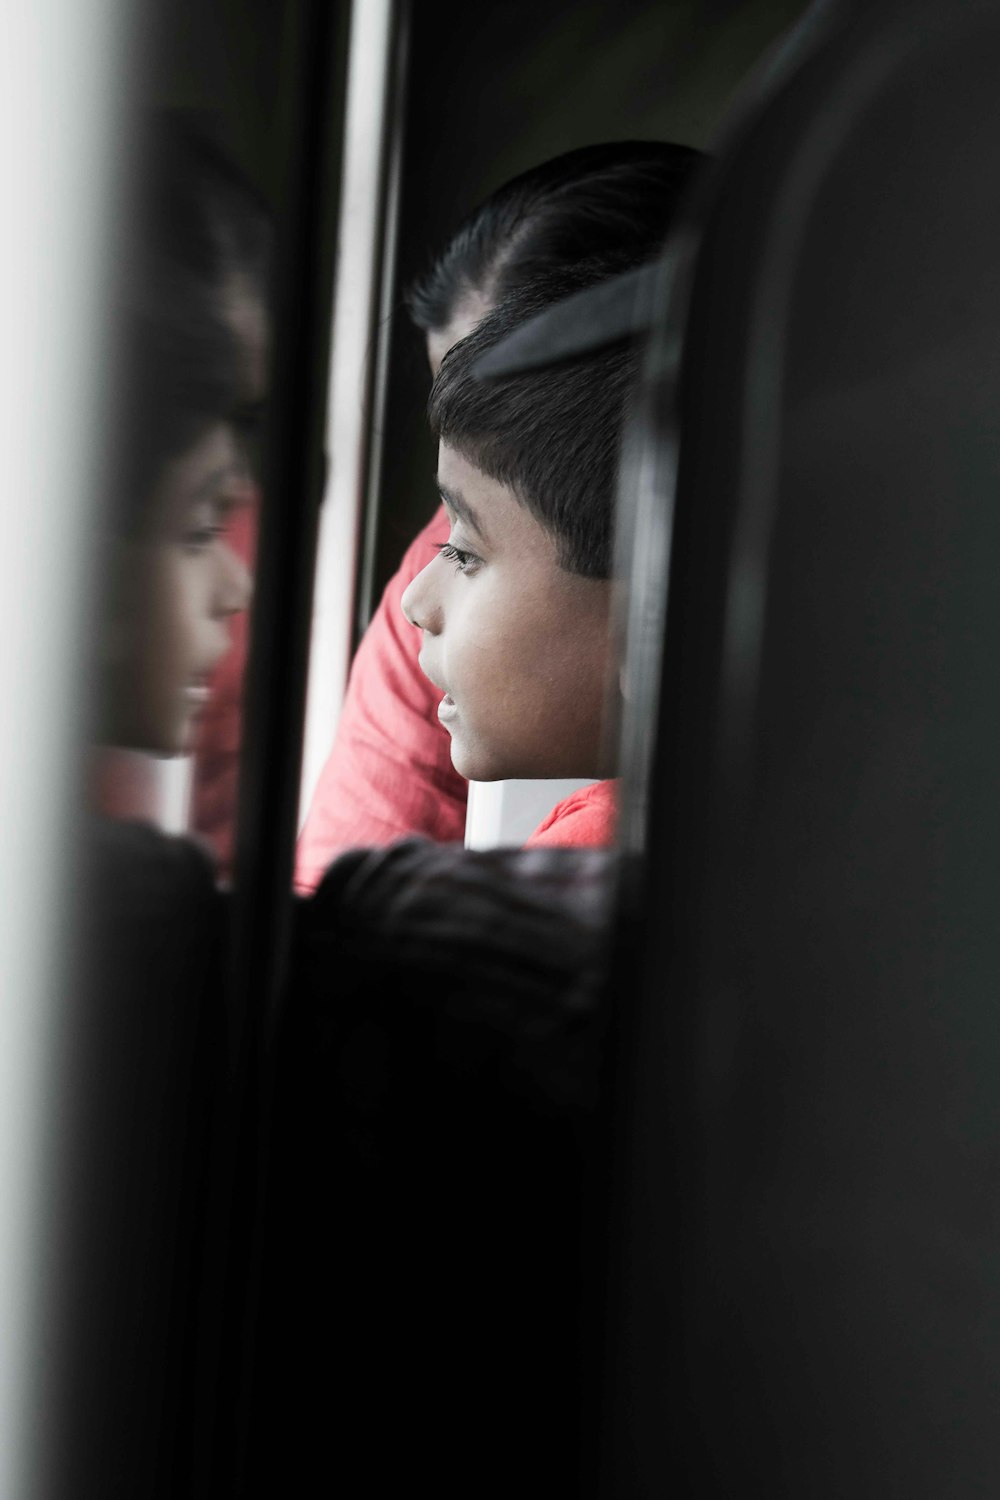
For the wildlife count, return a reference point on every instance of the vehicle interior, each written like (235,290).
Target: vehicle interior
(659,1164)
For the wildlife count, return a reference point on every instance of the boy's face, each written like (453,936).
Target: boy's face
(176,590)
(519,647)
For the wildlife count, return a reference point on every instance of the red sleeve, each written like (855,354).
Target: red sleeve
(389,772)
(585,820)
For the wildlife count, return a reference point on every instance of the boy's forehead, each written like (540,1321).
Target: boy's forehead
(466,491)
(493,511)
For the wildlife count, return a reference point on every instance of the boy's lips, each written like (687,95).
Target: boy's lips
(447,708)
(197,690)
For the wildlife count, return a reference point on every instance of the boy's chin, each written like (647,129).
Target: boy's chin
(469,769)
(478,762)
(473,765)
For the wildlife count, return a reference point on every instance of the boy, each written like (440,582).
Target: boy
(515,609)
(191,337)
(389,770)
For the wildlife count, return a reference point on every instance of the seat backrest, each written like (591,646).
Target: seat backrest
(811,1276)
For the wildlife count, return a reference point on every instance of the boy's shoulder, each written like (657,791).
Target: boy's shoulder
(584,819)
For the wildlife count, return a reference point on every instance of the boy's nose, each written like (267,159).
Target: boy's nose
(235,584)
(419,603)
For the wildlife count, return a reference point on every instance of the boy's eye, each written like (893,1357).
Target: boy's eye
(206,524)
(465,562)
(200,538)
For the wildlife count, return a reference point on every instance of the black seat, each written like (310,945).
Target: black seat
(812,1305)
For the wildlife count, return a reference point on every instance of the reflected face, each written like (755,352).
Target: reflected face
(518,646)
(177,590)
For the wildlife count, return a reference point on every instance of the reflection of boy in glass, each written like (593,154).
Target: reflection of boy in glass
(178,584)
(192,352)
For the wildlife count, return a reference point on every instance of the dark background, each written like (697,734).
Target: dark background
(493,89)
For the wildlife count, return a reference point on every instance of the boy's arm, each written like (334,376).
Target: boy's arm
(389,772)
(497,958)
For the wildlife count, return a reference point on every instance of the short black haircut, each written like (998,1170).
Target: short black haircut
(196,231)
(552,436)
(612,201)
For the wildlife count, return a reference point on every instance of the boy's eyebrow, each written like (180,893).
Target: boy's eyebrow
(462,509)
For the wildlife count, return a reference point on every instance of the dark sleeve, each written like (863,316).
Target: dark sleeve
(440,1065)
(142,1015)
(500,954)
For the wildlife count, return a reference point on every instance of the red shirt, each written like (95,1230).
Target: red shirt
(583,820)
(389,772)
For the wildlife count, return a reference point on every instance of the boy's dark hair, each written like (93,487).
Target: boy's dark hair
(611,202)
(194,208)
(197,232)
(553,436)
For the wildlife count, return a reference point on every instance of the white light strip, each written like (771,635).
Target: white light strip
(61,70)
(503,814)
(356,299)
(174,784)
